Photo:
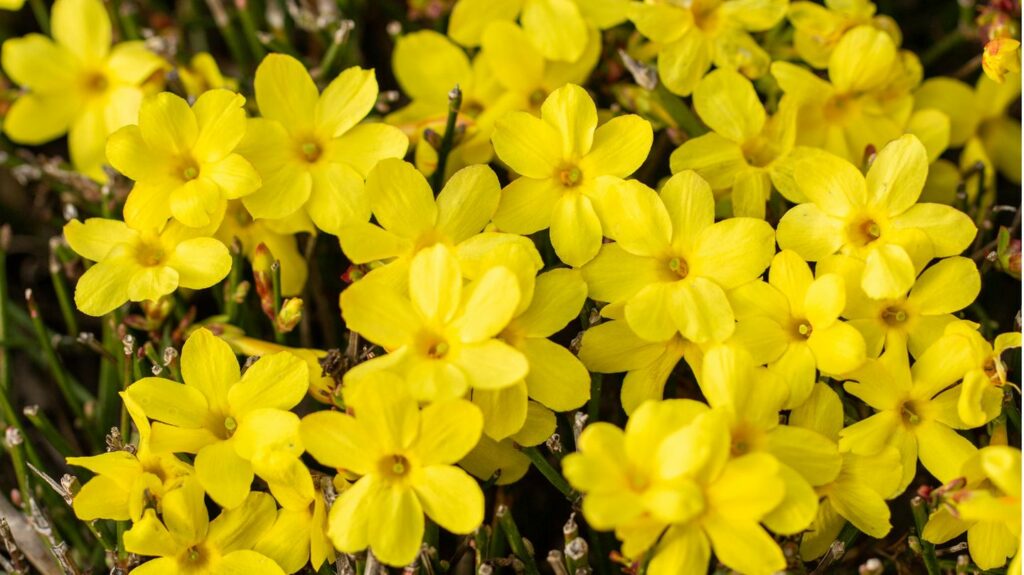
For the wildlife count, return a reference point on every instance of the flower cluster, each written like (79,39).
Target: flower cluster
(781,201)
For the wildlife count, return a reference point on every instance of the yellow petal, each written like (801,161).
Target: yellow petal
(489,307)
(649,311)
(225,476)
(635,217)
(942,450)
(575,229)
(504,409)
(390,506)
(949,229)
(556,28)
(620,146)
(526,204)
(797,509)
(682,550)
(491,364)
(733,252)
(467,202)
(744,546)
(102,497)
(449,431)
(95,238)
(285,92)
(82,26)
(662,23)
(683,62)
(888,273)
(728,104)
(149,537)
(348,522)
(200,262)
(530,146)
(34,61)
(427,65)
(209,365)
(35,119)
(838,349)
(717,159)
(362,146)
(812,455)
(810,232)
(953,98)
(862,60)
(863,507)
(470,18)
(946,287)
(278,381)
(897,176)
(822,412)
(346,101)
(451,498)
(170,402)
(240,527)
(513,58)
(833,184)
(702,312)
(558,297)
(401,198)
(337,440)
(573,115)
(378,313)
(612,347)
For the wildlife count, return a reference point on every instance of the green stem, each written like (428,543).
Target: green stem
(249,29)
(454,103)
(275,271)
(594,405)
(42,16)
(67,310)
(56,368)
(14,449)
(920,510)
(49,432)
(515,540)
(230,304)
(939,49)
(549,472)
(223,22)
(680,112)
(338,41)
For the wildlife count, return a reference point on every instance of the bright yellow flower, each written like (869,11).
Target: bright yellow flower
(979,118)
(442,336)
(556,377)
(792,324)
(987,508)
(750,399)
(183,159)
(696,34)
(557,28)
(277,235)
(612,347)
(984,383)
(1000,58)
(875,219)
(310,149)
(405,458)
(859,492)
(865,102)
(819,28)
(228,420)
(187,542)
(671,468)
(915,412)
(410,219)
(672,264)
(744,149)
(126,482)
(134,265)
(76,84)
(202,74)
(563,159)
(299,535)
(11,4)
(915,319)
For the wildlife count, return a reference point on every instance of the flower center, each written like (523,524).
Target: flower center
(95,82)
(744,440)
(840,108)
(679,267)
(537,98)
(570,176)
(195,559)
(864,231)
(803,329)
(894,316)
(395,466)
(910,411)
(438,350)
(189,169)
(149,254)
(310,151)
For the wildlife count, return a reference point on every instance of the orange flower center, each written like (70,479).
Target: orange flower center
(570,176)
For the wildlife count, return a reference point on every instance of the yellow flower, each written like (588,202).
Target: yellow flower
(310,149)
(183,159)
(299,535)
(556,377)
(750,398)
(202,74)
(442,337)
(694,35)
(672,264)
(915,319)
(188,542)
(875,219)
(612,347)
(228,420)
(1000,58)
(557,28)
(987,507)
(405,458)
(915,412)
(979,119)
(277,235)
(671,468)
(410,219)
(563,159)
(11,4)
(125,482)
(866,101)
(859,492)
(76,84)
(744,149)
(982,392)
(792,324)
(819,28)
(138,265)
